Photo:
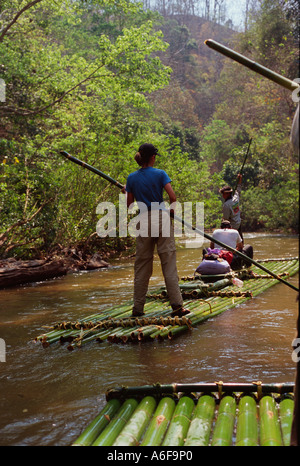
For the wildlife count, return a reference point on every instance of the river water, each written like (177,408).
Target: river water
(48,395)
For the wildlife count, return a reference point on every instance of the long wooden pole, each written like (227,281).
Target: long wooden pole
(252,65)
(91,168)
(180,220)
(242,167)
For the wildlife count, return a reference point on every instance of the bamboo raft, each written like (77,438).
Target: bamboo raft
(199,414)
(203,300)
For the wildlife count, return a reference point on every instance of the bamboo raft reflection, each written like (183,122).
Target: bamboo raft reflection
(199,414)
(203,300)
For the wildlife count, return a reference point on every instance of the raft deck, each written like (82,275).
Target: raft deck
(203,300)
(216,414)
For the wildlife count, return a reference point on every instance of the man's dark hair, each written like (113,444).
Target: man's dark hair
(225,224)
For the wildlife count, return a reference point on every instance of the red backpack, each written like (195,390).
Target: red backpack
(227,255)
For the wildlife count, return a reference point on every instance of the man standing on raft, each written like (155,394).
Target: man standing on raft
(146,186)
(231,205)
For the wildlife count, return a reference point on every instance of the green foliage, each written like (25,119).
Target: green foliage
(275,208)
(88,98)
(254,107)
(99,77)
(217,141)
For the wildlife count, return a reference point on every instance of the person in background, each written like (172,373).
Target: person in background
(231,205)
(232,238)
(146,186)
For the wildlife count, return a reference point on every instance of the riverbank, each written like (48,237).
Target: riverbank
(92,255)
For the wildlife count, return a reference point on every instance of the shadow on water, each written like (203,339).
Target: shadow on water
(49,394)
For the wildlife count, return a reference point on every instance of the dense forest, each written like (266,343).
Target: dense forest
(97,78)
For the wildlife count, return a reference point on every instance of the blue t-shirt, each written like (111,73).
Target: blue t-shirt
(147,184)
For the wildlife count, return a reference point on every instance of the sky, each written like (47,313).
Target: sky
(236,11)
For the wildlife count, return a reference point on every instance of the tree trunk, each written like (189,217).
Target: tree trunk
(20,272)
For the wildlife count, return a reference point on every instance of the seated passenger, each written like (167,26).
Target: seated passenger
(232,238)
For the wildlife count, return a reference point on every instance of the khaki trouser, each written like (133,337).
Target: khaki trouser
(166,250)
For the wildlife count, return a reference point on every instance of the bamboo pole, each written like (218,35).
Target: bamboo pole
(180,422)
(247,425)
(98,336)
(243,164)
(199,431)
(91,168)
(223,430)
(279,259)
(93,430)
(112,430)
(201,316)
(159,423)
(270,434)
(132,432)
(275,77)
(286,410)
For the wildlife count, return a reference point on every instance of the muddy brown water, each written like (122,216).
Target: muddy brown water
(48,395)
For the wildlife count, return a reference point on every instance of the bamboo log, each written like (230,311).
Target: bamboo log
(270,434)
(278,259)
(286,409)
(93,430)
(132,432)
(91,168)
(247,425)
(180,422)
(199,431)
(222,435)
(98,336)
(256,67)
(110,433)
(202,315)
(159,423)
